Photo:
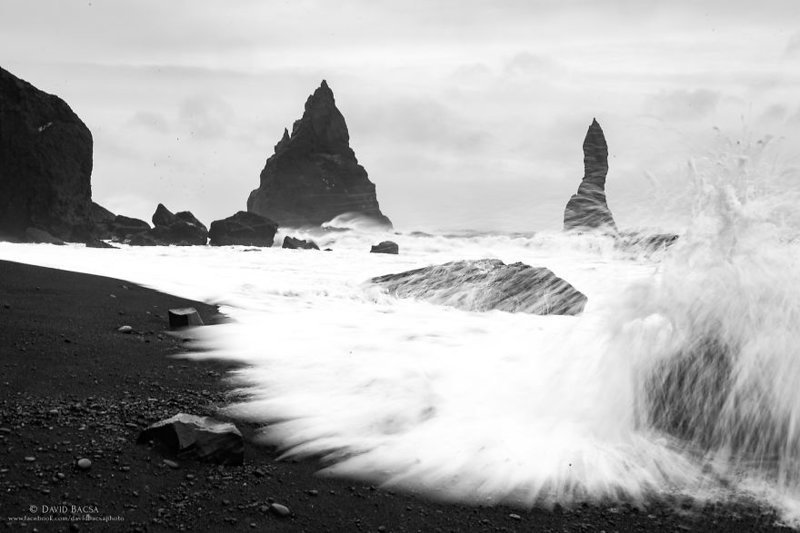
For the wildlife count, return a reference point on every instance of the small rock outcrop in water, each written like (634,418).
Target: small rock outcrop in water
(314,175)
(385,247)
(645,242)
(487,284)
(107,225)
(243,229)
(124,227)
(299,244)
(97,243)
(181,228)
(587,209)
(194,437)
(45,163)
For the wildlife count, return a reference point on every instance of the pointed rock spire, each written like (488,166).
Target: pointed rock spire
(595,155)
(322,127)
(314,175)
(587,209)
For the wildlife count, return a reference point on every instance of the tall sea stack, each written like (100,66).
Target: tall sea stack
(587,209)
(45,163)
(314,175)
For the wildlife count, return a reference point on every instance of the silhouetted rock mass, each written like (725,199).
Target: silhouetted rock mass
(385,247)
(101,218)
(293,243)
(45,163)
(645,242)
(588,209)
(107,225)
(314,175)
(243,229)
(122,227)
(96,243)
(487,284)
(182,229)
(41,236)
(163,216)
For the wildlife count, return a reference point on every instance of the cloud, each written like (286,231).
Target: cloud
(683,104)
(423,122)
(793,46)
(151,121)
(471,73)
(527,64)
(774,113)
(205,117)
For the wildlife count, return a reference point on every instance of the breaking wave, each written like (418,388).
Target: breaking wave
(681,375)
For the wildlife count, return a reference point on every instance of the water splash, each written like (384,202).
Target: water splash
(680,376)
(715,334)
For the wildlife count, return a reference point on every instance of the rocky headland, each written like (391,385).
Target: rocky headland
(45,164)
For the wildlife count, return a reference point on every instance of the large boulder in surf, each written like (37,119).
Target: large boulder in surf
(706,395)
(487,284)
(45,163)
(243,229)
(314,175)
(587,209)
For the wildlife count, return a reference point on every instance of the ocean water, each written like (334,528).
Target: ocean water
(680,378)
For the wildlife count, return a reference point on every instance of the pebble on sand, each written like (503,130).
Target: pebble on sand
(280,510)
(125,329)
(84,463)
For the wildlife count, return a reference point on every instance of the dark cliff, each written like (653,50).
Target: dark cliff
(45,163)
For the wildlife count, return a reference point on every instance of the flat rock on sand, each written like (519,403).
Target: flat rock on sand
(72,387)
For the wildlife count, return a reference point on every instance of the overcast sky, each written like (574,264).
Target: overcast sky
(465,113)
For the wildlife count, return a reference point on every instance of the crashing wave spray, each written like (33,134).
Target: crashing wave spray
(716,334)
(685,381)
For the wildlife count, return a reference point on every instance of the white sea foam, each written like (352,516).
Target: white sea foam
(682,374)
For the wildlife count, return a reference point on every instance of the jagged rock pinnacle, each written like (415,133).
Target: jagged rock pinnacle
(314,175)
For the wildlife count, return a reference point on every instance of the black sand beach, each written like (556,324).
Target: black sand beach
(74,387)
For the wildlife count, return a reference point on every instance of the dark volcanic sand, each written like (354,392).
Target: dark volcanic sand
(72,386)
